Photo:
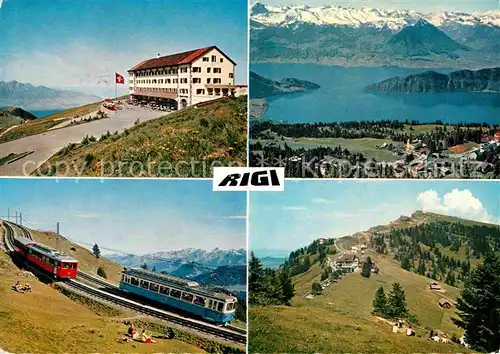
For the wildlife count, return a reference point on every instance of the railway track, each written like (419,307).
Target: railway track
(220,332)
(8,236)
(232,333)
(95,280)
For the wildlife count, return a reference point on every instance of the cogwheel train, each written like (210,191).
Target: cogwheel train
(186,295)
(58,265)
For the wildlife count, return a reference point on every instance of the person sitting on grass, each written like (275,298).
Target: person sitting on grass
(17,287)
(131,331)
(27,287)
(145,338)
(409,332)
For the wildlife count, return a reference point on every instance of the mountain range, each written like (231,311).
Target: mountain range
(374,37)
(224,267)
(29,97)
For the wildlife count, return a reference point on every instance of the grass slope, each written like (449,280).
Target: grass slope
(39,126)
(340,320)
(46,321)
(87,262)
(163,147)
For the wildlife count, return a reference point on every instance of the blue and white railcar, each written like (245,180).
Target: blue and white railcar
(179,293)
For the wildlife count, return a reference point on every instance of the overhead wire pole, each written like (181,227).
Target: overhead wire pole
(57,236)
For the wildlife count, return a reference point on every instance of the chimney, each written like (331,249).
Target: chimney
(158,55)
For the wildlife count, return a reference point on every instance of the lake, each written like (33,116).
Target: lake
(341,97)
(41,113)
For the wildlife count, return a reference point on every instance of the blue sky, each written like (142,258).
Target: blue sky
(281,222)
(136,216)
(79,43)
(420,5)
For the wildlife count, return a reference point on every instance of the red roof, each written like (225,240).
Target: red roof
(176,59)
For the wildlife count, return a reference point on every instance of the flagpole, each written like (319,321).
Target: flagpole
(116,95)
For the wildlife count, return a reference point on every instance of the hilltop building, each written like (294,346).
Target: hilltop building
(185,79)
(347,263)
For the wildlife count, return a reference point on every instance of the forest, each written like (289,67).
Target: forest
(421,248)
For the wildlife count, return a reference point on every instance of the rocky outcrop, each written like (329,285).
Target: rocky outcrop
(484,80)
(260,87)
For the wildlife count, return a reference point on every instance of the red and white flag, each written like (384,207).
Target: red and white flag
(119,79)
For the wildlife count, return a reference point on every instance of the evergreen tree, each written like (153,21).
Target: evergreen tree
(144,266)
(96,251)
(366,271)
(153,269)
(478,306)
(380,302)
(255,278)
(287,287)
(421,267)
(397,301)
(316,288)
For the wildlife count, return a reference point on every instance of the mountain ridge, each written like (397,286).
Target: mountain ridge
(347,16)
(31,97)
(263,87)
(484,80)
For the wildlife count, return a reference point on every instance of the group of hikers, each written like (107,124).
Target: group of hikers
(143,337)
(399,325)
(21,289)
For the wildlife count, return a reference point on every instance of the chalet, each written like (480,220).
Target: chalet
(446,304)
(321,241)
(435,286)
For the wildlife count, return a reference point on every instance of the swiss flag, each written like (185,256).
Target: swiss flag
(119,79)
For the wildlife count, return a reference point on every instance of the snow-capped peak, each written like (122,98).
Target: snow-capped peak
(341,16)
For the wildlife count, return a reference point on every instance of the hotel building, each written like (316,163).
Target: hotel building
(185,79)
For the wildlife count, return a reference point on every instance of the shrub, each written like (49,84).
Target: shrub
(102,273)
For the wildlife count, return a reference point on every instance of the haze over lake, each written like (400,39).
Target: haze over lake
(341,97)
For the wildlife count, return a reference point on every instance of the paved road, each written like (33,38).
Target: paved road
(47,144)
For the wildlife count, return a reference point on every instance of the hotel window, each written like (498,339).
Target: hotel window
(221,60)
(217,81)
(210,91)
(200,91)
(197,69)
(208,80)
(214,58)
(208,70)
(206,59)
(176,81)
(196,80)
(231,75)
(184,80)
(217,70)
(168,81)
(184,70)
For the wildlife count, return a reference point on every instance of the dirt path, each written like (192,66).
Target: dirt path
(47,144)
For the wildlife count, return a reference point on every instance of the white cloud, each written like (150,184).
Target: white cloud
(232,217)
(323,201)
(460,203)
(294,208)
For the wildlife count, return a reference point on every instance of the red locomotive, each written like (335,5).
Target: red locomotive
(46,258)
